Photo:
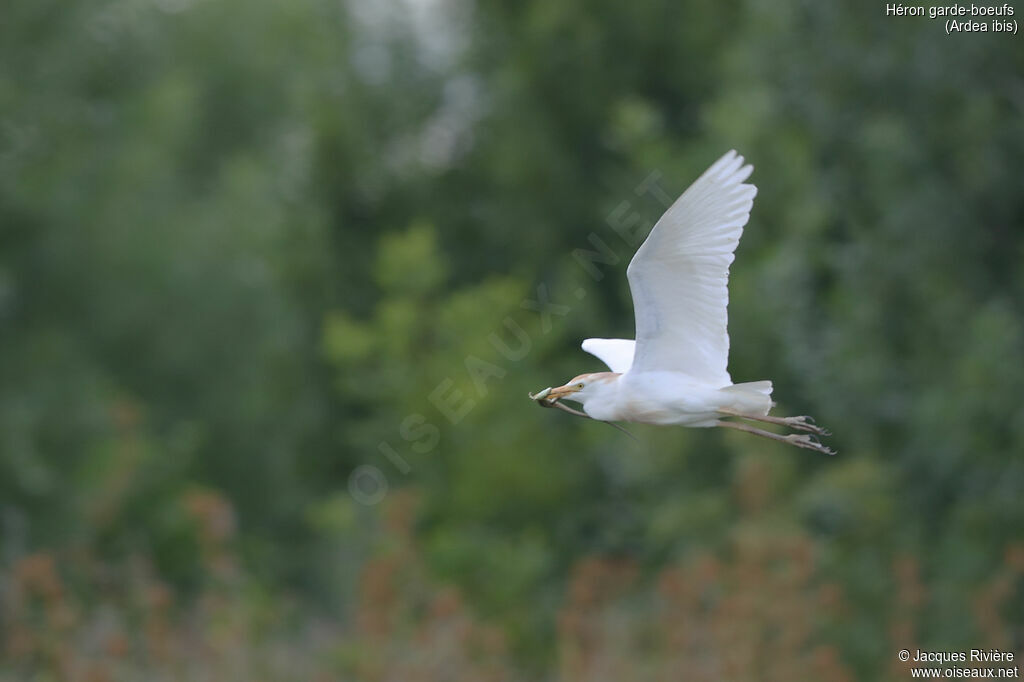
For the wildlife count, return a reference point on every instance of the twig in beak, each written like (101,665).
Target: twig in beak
(540,399)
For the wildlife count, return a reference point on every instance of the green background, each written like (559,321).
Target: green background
(243,244)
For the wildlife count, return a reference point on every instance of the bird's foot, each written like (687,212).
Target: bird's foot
(805,423)
(808,443)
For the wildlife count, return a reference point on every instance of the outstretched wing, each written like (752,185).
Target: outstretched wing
(616,353)
(679,276)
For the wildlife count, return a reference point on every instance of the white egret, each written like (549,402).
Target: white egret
(675,372)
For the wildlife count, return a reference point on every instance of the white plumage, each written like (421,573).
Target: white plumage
(616,353)
(676,372)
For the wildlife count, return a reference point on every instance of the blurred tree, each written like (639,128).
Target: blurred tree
(246,248)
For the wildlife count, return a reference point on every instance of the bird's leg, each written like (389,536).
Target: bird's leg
(798,423)
(800,441)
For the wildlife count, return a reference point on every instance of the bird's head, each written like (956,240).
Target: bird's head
(584,387)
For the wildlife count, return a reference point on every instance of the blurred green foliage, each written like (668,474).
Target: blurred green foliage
(249,247)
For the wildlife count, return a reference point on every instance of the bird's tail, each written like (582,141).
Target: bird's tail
(753,397)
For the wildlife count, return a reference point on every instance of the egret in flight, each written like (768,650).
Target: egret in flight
(675,371)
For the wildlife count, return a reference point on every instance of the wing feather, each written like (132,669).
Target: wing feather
(679,276)
(616,353)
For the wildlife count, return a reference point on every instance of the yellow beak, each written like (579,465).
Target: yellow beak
(562,391)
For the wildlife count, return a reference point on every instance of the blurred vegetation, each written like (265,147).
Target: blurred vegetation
(270,284)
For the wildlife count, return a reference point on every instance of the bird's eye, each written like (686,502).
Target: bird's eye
(579,385)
